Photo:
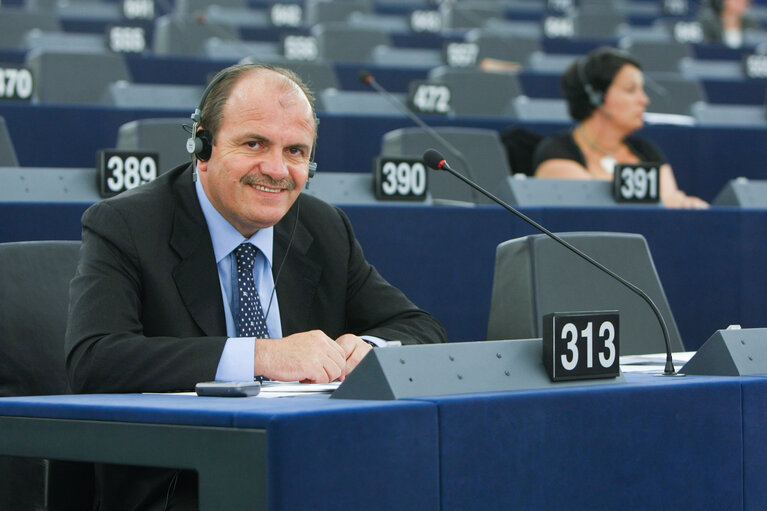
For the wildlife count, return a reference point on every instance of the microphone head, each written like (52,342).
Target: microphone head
(365,77)
(433,159)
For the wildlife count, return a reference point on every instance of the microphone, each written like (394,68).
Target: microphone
(368,79)
(433,159)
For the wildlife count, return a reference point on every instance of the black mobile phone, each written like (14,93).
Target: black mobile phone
(228,388)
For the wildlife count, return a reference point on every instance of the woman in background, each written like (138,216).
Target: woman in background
(605,95)
(725,21)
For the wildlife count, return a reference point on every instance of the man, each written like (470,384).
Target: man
(157,303)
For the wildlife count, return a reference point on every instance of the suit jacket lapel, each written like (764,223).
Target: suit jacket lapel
(196,275)
(297,282)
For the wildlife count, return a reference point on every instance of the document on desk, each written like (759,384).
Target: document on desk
(652,362)
(293,388)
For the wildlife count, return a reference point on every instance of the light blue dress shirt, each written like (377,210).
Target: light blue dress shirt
(237,359)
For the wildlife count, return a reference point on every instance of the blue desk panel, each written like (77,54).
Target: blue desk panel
(711,263)
(704,159)
(321,453)
(754,443)
(654,443)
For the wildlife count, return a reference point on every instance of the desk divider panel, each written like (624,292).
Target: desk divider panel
(453,368)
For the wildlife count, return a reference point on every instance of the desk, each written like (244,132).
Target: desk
(711,263)
(650,443)
(291,453)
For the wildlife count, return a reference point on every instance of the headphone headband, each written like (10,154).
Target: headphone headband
(595,97)
(200,144)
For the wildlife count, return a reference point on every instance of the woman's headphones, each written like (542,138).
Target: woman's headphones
(595,97)
(200,144)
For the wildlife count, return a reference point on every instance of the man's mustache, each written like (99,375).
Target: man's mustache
(253,180)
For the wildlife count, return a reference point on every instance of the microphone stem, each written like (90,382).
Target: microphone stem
(669,369)
(370,80)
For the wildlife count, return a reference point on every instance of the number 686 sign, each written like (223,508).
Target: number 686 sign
(581,345)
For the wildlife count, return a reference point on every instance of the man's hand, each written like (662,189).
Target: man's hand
(354,350)
(308,357)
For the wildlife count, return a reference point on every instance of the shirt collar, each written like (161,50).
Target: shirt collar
(224,236)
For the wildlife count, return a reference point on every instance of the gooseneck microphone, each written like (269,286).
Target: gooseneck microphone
(434,160)
(369,79)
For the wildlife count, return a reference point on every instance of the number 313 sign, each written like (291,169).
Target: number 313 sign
(581,345)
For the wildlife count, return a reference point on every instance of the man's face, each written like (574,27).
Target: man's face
(260,160)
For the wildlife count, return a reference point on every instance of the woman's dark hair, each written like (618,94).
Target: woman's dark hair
(586,80)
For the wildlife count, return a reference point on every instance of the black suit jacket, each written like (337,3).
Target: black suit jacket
(146,310)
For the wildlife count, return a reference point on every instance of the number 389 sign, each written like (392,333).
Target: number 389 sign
(581,345)
(124,170)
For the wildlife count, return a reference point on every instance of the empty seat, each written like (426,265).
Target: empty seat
(597,22)
(34,291)
(478,93)
(186,7)
(535,276)
(15,23)
(385,55)
(660,55)
(317,75)
(323,11)
(476,153)
(237,16)
(339,42)
(550,62)
(672,94)
(7,152)
(389,23)
(503,47)
(74,77)
(541,109)
(356,103)
(187,35)
(707,114)
(153,95)
(44,40)
(470,14)
(165,136)
(229,49)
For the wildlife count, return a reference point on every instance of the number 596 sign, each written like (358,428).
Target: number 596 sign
(581,345)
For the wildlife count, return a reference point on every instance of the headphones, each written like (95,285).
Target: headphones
(200,144)
(595,97)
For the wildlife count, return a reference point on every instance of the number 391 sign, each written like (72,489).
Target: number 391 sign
(581,345)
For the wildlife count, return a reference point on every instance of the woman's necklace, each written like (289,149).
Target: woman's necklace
(607,161)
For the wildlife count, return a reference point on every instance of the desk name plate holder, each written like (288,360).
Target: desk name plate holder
(426,370)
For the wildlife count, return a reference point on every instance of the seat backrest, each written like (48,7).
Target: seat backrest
(482,158)
(34,297)
(535,276)
(7,152)
(356,102)
(155,96)
(660,55)
(63,76)
(317,75)
(15,23)
(180,35)
(339,42)
(322,11)
(471,14)
(478,93)
(165,136)
(508,47)
(672,94)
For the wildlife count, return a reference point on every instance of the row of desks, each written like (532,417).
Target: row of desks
(649,443)
(710,263)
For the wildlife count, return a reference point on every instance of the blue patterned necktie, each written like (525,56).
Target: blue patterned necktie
(250,317)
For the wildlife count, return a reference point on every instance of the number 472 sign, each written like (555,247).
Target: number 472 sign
(581,345)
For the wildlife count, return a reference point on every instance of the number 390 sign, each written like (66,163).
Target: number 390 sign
(581,345)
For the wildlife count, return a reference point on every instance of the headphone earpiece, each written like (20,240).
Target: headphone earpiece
(201,145)
(312,168)
(595,97)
